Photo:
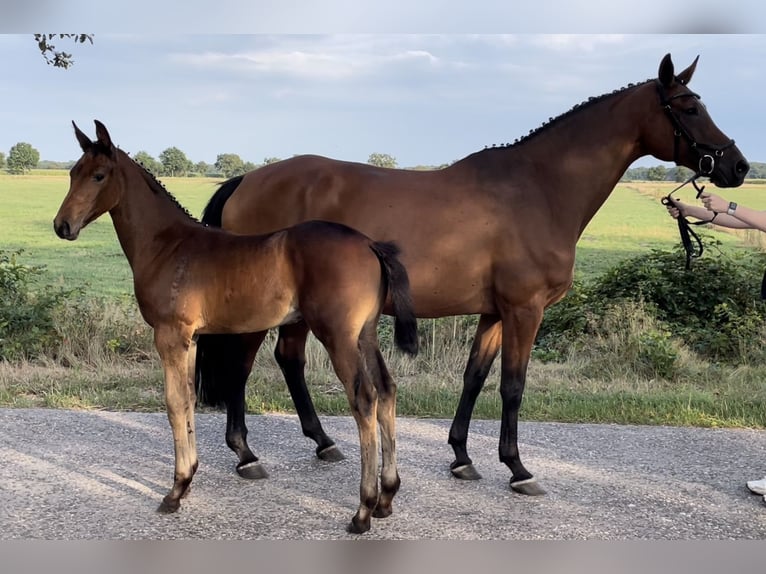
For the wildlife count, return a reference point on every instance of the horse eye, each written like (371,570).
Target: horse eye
(692,111)
(98,177)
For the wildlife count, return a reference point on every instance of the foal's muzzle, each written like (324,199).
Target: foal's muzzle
(63,231)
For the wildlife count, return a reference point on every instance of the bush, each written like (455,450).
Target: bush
(714,308)
(27,310)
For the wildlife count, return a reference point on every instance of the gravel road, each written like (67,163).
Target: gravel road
(85,475)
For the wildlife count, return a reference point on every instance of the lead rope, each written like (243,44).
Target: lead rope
(684,225)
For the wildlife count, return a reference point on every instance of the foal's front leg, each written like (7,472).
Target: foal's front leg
(173,348)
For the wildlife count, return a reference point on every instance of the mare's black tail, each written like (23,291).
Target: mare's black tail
(220,358)
(398,282)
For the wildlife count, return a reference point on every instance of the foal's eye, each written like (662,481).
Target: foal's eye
(98,177)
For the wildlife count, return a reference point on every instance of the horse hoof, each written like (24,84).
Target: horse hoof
(252,470)
(381,512)
(528,486)
(357,526)
(168,506)
(331,454)
(465,472)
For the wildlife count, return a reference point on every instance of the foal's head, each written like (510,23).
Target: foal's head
(93,186)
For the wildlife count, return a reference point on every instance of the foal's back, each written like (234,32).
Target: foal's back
(325,273)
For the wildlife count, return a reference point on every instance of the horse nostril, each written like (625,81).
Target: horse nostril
(61,230)
(742,167)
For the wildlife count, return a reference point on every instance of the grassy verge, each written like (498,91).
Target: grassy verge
(705,396)
(111,364)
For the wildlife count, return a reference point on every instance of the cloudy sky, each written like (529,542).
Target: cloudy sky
(426,99)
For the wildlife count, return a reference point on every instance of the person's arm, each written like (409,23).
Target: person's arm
(740,217)
(714,210)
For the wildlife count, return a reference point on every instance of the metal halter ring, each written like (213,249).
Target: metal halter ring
(709,161)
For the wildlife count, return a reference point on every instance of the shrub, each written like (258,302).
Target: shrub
(27,310)
(713,308)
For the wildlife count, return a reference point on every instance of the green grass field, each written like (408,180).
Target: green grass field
(631,222)
(29,204)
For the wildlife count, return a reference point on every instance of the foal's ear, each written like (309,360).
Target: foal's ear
(685,76)
(103,136)
(84,140)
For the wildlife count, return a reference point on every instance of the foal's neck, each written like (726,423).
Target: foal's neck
(147,219)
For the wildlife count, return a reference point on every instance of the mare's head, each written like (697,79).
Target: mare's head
(93,185)
(684,132)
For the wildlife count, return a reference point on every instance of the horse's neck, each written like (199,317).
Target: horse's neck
(582,159)
(143,214)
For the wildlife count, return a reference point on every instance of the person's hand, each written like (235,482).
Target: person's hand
(675,208)
(713,202)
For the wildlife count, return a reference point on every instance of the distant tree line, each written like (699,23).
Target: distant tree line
(680,174)
(173,162)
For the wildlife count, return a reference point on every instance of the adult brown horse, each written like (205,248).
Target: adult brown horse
(493,234)
(191,279)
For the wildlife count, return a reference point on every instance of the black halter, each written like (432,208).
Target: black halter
(705,167)
(705,161)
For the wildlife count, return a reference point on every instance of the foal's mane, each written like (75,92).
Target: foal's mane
(157,187)
(553,121)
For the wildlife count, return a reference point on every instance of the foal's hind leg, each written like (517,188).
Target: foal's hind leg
(389,475)
(362,398)
(290,354)
(486,342)
(236,430)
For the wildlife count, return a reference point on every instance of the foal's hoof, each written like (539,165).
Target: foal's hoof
(331,454)
(465,472)
(528,486)
(382,512)
(168,505)
(252,470)
(357,526)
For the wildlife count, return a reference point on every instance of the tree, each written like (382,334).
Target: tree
(59,58)
(657,173)
(2,160)
(174,162)
(202,167)
(268,160)
(149,163)
(229,164)
(382,160)
(22,158)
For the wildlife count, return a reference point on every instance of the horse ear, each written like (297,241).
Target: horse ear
(685,76)
(84,140)
(103,136)
(666,74)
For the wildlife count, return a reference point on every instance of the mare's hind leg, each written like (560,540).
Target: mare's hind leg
(173,348)
(236,430)
(389,475)
(486,342)
(519,330)
(290,354)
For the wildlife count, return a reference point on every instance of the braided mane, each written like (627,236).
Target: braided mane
(158,187)
(553,121)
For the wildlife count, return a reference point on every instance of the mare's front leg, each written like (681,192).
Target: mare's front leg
(290,354)
(173,346)
(520,326)
(486,342)
(243,352)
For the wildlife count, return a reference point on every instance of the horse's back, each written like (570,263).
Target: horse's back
(365,197)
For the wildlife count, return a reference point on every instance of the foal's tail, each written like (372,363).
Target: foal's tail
(398,283)
(221,359)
